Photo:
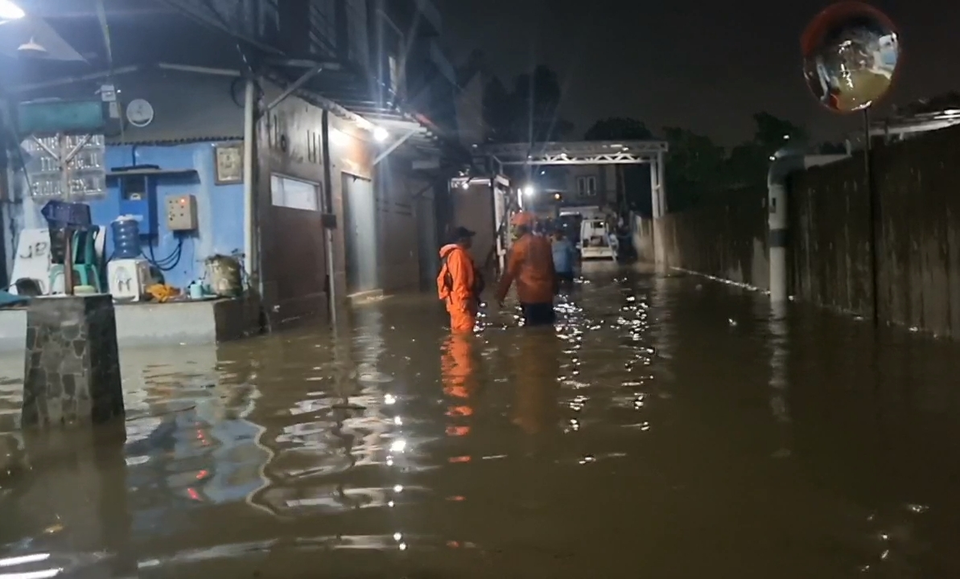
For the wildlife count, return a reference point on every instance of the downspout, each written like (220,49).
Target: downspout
(249,187)
(328,208)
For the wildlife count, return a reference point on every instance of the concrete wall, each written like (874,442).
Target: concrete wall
(829,235)
(725,237)
(829,239)
(641,230)
(919,273)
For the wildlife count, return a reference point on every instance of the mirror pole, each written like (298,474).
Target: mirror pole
(873,199)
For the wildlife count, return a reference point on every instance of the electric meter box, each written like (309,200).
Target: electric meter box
(138,197)
(182,213)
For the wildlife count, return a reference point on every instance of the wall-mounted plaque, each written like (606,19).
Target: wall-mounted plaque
(228,160)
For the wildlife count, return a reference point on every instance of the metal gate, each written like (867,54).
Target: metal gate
(360,234)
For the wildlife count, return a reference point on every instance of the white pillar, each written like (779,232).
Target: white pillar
(777,220)
(654,191)
(661,188)
(657,200)
(777,214)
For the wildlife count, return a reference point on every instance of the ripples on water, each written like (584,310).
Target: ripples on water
(666,428)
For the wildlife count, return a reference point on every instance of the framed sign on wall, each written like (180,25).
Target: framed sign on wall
(228,163)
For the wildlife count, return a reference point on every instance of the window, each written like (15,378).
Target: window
(587,186)
(293,193)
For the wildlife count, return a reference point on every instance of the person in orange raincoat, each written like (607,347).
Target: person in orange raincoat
(459,283)
(530,264)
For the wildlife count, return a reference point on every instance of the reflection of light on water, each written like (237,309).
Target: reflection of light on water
(23,560)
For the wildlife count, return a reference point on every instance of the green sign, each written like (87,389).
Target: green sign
(52,117)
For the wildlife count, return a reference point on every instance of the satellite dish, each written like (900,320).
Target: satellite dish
(851,53)
(31,49)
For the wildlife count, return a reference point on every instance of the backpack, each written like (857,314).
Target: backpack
(445,279)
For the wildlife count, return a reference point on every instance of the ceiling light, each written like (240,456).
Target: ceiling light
(10,11)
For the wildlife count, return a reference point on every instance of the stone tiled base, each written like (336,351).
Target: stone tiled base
(72,368)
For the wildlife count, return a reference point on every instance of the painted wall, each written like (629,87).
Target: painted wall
(219,208)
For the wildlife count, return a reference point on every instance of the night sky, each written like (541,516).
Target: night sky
(705,65)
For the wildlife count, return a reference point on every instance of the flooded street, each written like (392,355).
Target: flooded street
(669,427)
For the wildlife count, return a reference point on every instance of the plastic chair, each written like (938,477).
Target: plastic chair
(84,260)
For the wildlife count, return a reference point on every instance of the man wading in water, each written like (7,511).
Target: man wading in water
(530,264)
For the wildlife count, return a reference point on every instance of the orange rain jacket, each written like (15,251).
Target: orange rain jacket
(459,285)
(530,264)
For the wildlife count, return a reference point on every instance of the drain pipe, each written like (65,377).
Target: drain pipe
(330,218)
(784,163)
(249,187)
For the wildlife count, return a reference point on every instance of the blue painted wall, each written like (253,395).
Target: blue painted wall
(219,207)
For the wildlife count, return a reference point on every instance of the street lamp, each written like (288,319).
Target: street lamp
(529,191)
(10,11)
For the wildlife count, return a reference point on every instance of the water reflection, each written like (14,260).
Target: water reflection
(535,380)
(666,425)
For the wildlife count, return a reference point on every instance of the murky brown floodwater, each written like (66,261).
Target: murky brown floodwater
(668,428)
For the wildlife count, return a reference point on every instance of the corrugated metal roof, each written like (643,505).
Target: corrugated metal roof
(117,141)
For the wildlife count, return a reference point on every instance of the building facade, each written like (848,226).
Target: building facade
(350,136)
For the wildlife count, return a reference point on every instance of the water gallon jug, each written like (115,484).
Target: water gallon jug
(126,237)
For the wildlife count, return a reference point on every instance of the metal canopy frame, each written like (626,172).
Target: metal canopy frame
(588,153)
(577,153)
(918,123)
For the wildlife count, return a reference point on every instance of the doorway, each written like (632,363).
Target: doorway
(360,234)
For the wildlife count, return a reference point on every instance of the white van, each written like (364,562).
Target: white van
(596,240)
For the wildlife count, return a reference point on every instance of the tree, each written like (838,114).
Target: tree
(618,129)
(748,162)
(529,113)
(694,167)
(772,132)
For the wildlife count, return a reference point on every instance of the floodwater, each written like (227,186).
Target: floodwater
(668,427)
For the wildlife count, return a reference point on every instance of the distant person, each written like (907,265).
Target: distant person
(530,264)
(459,283)
(564,256)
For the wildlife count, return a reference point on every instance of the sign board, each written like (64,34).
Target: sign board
(32,260)
(52,117)
(74,161)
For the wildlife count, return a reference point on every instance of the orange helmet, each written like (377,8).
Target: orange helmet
(523,218)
